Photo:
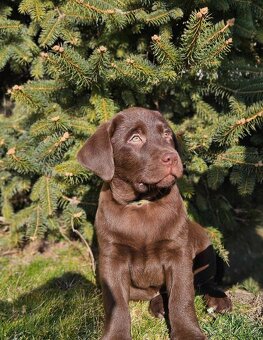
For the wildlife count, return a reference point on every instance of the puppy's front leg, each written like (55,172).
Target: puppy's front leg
(115,284)
(180,287)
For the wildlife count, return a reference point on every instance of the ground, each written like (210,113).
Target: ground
(54,295)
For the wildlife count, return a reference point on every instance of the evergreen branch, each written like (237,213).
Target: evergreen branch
(94,8)
(51,28)
(238,108)
(51,87)
(216,175)
(52,147)
(244,180)
(18,94)
(39,10)
(230,130)
(158,17)
(5,11)
(6,24)
(140,69)
(166,74)
(46,192)
(246,92)
(35,8)
(70,35)
(217,241)
(37,68)
(21,54)
(56,123)
(16,185)
(247,186)
(80,127)
(7,209)
(196,29)
(104,107)
(21,164)
(236,161)
(244,121)
(82,17)
(120,70)
(9,26)
(245,69)
(98,62)
(186,187)
(107,11)
(204,110)
(72,65)
(72,172)
(4,56)
(162,16)
(226,91)
(34,237)
(105,112)
(164,50)
(220,31)
(223,48)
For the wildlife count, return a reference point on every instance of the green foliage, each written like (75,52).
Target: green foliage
(35,8)
(70,65)
(217,241)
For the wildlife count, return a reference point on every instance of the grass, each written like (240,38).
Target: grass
(54,296)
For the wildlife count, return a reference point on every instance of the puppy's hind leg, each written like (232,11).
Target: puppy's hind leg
(205,280)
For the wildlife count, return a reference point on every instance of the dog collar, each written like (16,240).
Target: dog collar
(143,201)
(138,203)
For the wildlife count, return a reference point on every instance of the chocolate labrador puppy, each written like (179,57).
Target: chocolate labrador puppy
(147,245)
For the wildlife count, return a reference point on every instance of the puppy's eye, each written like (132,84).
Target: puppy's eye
(167,134)
(135,139)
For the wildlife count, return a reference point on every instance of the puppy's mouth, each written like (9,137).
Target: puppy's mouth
(166,182)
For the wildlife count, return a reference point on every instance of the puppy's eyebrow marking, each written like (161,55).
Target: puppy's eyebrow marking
(162,127)
(139,128)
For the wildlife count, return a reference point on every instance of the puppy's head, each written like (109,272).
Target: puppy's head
(136,146)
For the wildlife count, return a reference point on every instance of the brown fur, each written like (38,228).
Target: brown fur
(147,246)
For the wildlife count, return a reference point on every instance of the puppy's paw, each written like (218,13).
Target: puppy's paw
(191,337)
(188,336)
(156,307)
(220,304)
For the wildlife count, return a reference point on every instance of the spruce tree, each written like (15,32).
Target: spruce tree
(66,66)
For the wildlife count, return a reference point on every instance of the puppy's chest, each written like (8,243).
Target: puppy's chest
(147,265)
(141,226)
(144,238)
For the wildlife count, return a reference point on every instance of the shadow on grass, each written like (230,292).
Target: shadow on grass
(64,307)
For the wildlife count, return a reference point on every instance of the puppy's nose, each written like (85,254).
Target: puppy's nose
(169,158)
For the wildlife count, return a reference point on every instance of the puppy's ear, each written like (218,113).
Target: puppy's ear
(97,154)
(176,145)
(179,148)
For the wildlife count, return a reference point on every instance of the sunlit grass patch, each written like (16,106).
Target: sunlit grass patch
(55,296)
